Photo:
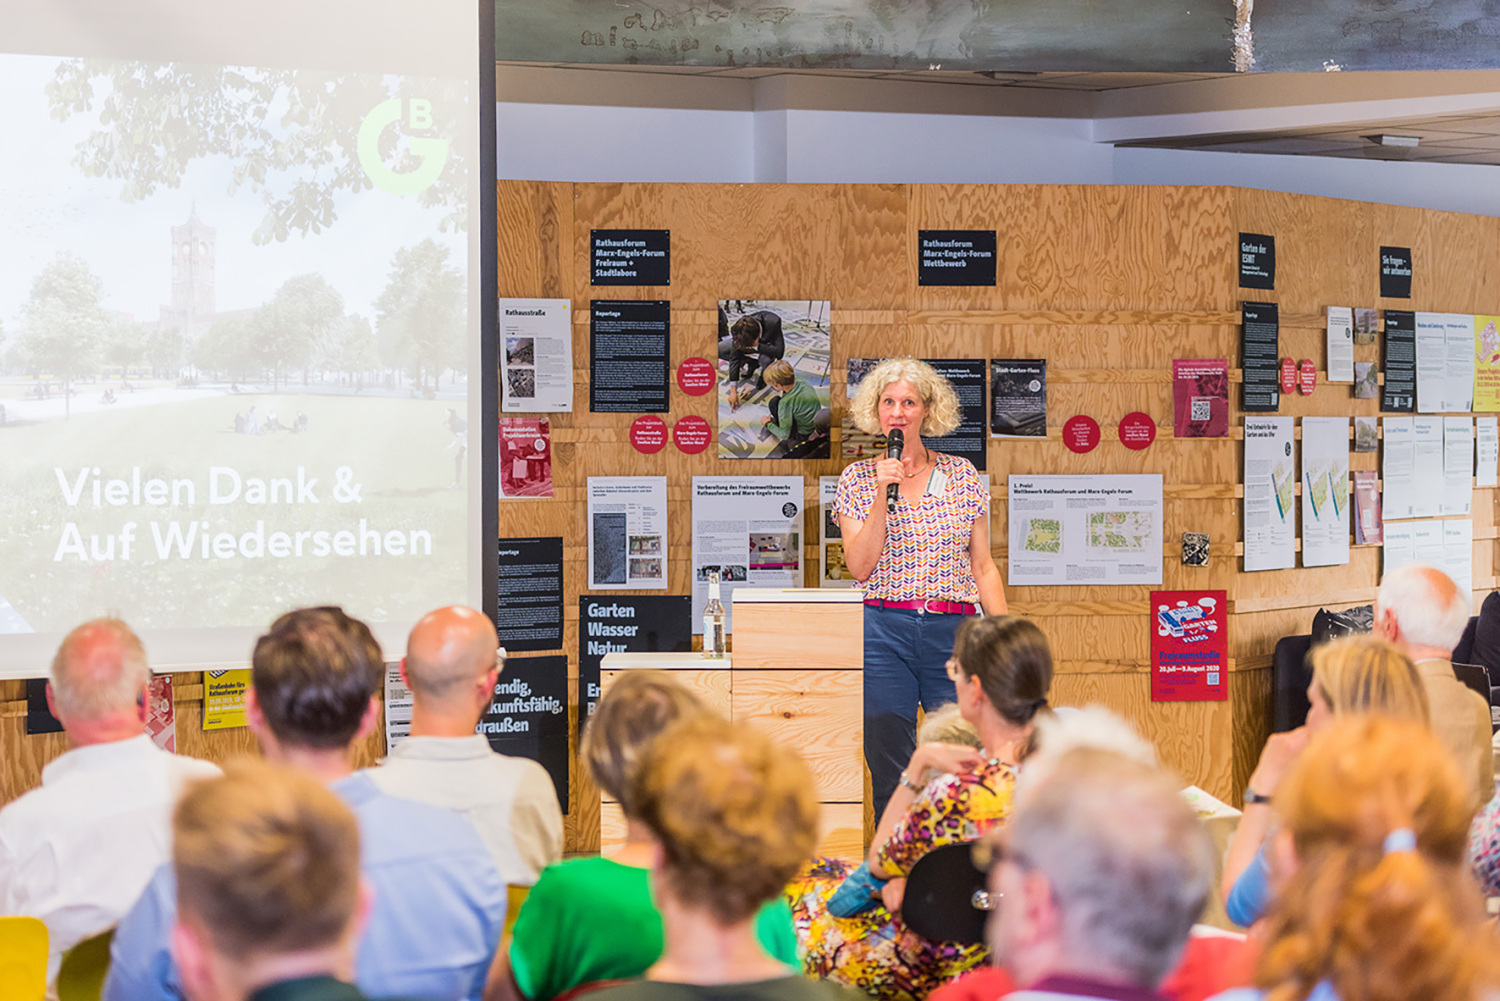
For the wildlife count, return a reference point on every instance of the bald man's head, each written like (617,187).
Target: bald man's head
(448,650)
(99,670)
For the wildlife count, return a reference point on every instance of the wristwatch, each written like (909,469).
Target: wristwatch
(1253,798)
(908,783)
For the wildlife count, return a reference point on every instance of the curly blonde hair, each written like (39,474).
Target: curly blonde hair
(937,395)
(734,812)
(1377,923)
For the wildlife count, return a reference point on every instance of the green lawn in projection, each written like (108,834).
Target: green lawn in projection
(275,543)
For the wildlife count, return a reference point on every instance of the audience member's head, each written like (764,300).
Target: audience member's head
(946,725)
(745,334)
(734,814)
(1012,662)
(1375,896)
(268,882)
(98,681)
(937,393)
(1359,674)
(1090,728)
(1421,610)
(637,707)
(781,374)
(452,657)
(314,677)
(1103,869)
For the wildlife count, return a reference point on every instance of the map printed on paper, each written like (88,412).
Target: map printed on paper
(1085,530)
(1113,532)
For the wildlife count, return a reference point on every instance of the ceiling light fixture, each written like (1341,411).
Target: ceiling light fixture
(1405,142)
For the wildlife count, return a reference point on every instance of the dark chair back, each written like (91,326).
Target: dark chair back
(939,902)
(1290,676)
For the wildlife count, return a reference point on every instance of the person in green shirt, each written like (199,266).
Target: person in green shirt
(734,817)
(794,408)
(592,920)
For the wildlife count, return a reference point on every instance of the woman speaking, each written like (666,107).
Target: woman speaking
(925,562)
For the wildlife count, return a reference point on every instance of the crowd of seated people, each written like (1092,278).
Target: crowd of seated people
(1362,863)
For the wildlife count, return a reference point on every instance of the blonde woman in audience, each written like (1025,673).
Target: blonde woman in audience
(1357,674)
(734,816)
(591,920)
(1374,899)
(1002,673)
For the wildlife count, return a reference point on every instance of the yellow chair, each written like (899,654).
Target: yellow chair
(23,959)
(81,975)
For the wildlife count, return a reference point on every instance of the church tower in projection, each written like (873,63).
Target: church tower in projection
(192,308)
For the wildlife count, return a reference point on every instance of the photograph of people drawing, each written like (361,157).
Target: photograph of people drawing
(773,379)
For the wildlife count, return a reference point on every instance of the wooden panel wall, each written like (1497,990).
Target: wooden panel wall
(1109,284)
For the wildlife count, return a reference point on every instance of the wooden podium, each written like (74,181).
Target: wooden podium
(796,672)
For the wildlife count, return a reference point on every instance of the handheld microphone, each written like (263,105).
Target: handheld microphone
(895,444)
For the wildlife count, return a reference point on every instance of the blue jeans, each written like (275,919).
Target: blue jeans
(906,653)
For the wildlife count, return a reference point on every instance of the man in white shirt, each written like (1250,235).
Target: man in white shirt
(1424,613)
(451,666)
(78,850)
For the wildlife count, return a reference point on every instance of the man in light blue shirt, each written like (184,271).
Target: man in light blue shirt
(439,903)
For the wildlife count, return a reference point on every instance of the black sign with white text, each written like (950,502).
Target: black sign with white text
(630,257)
(528,717)
(529,613)
(956,257)
(1257,261)
(966,375)
(626,624)
(629,346)
(1395,272)
(1260,336)
(1398,355)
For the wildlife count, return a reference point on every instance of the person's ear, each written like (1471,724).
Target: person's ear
(370,719)
(363,906)
(1043,919)
(405,678)
(255,722)
(52,703)
(194,959)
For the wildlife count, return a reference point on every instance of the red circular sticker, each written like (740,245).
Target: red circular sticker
(691,434)
(1137,430)
(696,376)
(1081,433)
(1288,375)
(1307,376)
(648,433)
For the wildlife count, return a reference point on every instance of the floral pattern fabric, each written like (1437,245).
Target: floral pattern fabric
(1484,847)
(875,952)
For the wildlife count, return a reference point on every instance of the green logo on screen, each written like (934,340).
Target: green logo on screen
(432,154)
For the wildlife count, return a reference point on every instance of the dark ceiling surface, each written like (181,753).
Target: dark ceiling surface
(1197,36)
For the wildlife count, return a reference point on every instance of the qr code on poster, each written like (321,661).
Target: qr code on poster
(1202,409)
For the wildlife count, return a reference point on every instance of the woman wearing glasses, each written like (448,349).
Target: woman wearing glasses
(1002,672)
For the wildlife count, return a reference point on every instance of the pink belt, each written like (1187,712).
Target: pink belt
(928,605)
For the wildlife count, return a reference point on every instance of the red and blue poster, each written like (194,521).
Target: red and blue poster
(1189,646)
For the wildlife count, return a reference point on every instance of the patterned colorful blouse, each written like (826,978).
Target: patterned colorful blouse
(1484,847)
(875,952)
(926,551)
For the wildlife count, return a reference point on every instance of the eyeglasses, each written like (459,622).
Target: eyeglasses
(955,673)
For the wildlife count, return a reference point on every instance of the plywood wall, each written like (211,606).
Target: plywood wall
(1109,284)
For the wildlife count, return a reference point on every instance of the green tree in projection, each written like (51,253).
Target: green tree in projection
(225,348)
(64,324)
(164,352)
(352,350)
(419,317)
(293,136)
(288,331)
(124,344)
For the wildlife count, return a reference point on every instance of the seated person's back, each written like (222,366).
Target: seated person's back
(114,788)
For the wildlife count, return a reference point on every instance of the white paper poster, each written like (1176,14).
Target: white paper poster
(397,707)
(1340,344)
(1427,467)
(1446,544)
(1397,463)
(536,356)
(749,528)
(831,569)
(1325,491)
(1085,530)
(1487,451)
(627,532)
(1445,362)
(1458,464)
(1270,488)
